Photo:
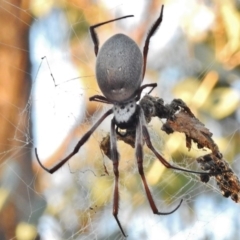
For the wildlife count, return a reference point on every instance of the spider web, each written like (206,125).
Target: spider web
(76,201)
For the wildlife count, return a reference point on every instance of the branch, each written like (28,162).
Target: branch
(179,118)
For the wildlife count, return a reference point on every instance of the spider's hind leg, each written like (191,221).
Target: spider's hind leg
(152,30)
(94,34)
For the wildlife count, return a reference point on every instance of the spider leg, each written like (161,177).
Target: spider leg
(115,160)
(159,157)
(139,91)
(84,138)
(147,41)
(139,157)
(94,35)
(99,98)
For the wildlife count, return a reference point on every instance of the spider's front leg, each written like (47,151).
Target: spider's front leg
(84,138)
(115,160)
(139,157)
(147,139)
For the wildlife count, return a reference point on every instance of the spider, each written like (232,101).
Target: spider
(120,70)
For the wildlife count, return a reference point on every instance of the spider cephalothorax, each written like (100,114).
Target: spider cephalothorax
(125,114)
(120,70)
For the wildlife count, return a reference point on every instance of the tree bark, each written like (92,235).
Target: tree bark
(15,84)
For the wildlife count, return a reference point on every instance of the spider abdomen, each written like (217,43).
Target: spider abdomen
(119,68)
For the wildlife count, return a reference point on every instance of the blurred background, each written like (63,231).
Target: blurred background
(46,77)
